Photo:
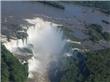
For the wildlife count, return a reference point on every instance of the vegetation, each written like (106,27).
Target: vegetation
(106,22)
(69,70)
(95,69)
(68,33)
(99,64)
(96,33)
(12,70)
(74,68)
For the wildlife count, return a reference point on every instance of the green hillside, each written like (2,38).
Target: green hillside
(11,69)
(95,69)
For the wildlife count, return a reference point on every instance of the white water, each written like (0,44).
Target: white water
(48,44)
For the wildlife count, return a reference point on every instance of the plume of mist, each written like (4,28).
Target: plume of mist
(46,42)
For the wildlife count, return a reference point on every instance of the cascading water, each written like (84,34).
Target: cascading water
(47,45)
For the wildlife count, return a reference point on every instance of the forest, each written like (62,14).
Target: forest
(11,69)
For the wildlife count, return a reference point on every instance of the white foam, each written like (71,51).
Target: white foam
(48,44)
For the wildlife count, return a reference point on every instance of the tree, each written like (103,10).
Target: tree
(11,69)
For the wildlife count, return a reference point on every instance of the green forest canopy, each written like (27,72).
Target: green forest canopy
(11,69)
(98,62)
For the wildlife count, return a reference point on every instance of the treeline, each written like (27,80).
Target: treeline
(11,69)
(97,70)
(96,33)
(99,64)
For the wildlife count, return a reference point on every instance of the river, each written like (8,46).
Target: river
(47,39)
(73,15)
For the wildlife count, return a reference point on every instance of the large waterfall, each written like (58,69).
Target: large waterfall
(47,44)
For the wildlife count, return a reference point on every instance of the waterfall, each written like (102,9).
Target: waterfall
(47,45)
